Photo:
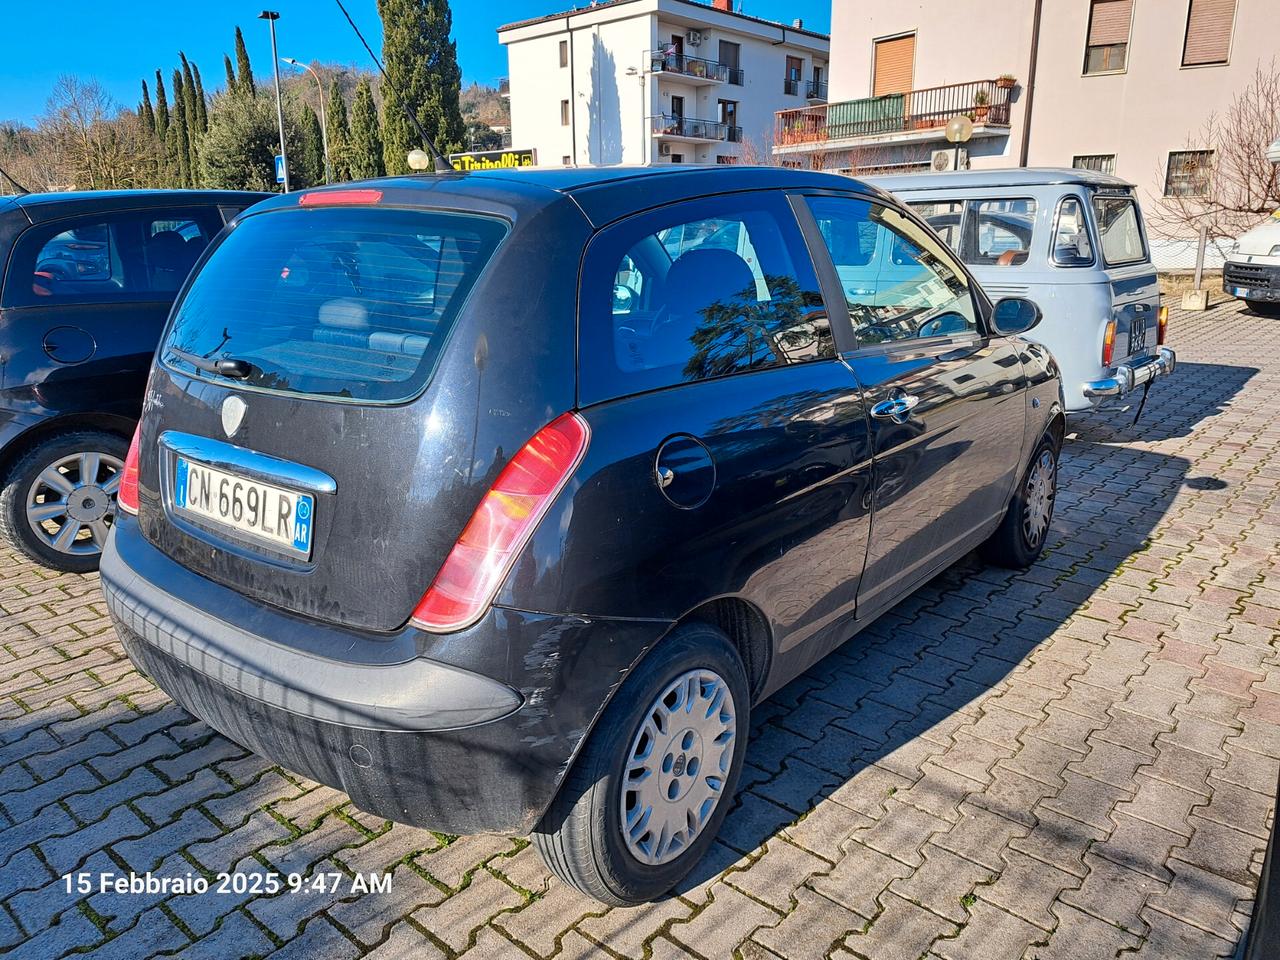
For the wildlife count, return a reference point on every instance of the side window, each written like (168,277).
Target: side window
(898,281)
(1071,246)
(945,217)
(699,290)
(126,256)
(1119,230)
(998,232)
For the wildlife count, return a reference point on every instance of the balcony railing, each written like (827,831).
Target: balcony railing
(791,86)
(666,125)
(816,90)
(983,101)
(661,61)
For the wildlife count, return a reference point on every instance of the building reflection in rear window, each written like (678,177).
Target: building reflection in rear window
(347,303)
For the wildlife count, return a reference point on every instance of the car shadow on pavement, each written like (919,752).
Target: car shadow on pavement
(964,701)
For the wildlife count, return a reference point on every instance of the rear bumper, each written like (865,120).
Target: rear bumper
(1130,376)
(411,738)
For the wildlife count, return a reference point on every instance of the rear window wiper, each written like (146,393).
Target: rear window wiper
(228,367)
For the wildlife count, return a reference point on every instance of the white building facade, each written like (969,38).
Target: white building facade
(657,81)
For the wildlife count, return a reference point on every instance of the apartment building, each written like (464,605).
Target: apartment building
(657,81)
(1122,86)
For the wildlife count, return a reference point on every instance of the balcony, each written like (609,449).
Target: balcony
(816,91)
(918,115)
(668,127)
(691,68)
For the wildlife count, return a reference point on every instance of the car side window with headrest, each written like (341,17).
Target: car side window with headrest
(911,286)
(698,290)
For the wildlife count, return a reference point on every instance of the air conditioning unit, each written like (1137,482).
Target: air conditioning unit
(694,38)
(664,149)
(943,159)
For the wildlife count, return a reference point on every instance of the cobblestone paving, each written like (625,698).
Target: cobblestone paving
(1077,762)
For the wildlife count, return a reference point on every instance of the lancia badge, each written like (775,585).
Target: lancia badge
(232,414)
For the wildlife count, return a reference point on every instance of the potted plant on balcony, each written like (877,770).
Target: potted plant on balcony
(981,106)
(697,68)
(1006,81)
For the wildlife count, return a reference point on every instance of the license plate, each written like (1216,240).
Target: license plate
(1240,292)
(258,510)
(1137,336)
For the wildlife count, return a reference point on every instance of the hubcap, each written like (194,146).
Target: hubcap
(677,767)
(72,503)
(1039,499)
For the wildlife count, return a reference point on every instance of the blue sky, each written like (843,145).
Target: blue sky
(120,41)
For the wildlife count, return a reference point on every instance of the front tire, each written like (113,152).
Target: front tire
(1020,538)
(58,501)
(1265,308)
(646,796)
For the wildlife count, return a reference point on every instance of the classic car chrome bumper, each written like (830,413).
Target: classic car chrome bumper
(1128,376)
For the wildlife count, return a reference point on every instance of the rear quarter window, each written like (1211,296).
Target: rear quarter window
(348,303)
(1119,230)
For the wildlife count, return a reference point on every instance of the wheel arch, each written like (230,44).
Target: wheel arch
(38,433)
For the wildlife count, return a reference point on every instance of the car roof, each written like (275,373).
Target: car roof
(603,194)
(41,207)
(1013,177)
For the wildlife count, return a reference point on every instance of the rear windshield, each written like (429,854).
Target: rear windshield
(350,303)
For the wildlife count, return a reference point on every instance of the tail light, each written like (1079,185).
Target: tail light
(1162,326)
(127,495)
(1108,343)
(501,526)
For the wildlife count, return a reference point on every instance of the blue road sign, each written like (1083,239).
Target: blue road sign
(279,168)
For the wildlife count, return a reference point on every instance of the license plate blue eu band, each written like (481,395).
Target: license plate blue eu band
(264,511)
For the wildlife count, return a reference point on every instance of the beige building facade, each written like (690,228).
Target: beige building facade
(1122,86)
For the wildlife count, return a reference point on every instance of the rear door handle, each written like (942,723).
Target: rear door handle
(897,408)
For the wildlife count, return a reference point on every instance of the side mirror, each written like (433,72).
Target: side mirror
(1014,315)
(622,299)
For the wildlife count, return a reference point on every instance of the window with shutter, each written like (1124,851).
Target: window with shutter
(894,64)
(1208,38)
(1107,45)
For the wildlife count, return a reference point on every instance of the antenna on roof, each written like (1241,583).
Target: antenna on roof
(21,189)
(441,162)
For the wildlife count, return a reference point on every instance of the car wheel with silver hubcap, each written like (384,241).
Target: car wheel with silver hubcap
(677,767)
(1024,531)
(655,778)
(1037,509)
(58,502)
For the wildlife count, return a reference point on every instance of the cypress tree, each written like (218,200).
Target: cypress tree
(202,104)
(180,140)
(145,113)
(339,133)
(243,70)
(422,64)
(365,156)
(162,109)
(310,148)
(190,113)
(231,73)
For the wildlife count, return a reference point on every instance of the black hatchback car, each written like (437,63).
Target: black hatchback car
(88,279)
(497,500)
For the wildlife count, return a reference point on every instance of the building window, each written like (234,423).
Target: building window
(1107,48)
(894,65)
(677,158)
(726,158)
(566,161)
(731,57)
(1208,39)
(795,70)
(1098,162)
(564,113)
(564,53)
(1189,173)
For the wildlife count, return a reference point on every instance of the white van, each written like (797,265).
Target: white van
(1252,270)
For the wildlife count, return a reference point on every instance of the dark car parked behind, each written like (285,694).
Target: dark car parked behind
(88,279)
(497,500)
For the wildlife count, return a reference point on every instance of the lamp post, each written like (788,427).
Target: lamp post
(271,16)
(324,124)
(646,135)
(959,130)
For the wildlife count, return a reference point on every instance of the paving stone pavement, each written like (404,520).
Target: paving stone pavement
(1077,761)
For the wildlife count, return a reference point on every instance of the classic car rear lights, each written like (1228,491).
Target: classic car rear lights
(326,198)
(1162,326)
(1108,343)
(501,526)
(127,495)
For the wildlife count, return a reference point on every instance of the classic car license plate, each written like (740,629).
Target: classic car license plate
(1137,336)
(249,507)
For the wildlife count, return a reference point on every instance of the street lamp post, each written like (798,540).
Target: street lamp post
(271,16)
(958,130)
(324,124)
(646,135)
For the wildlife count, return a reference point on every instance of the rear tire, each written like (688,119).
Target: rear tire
(1264,308)
(52,510)
(1020,538)
(646,796)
